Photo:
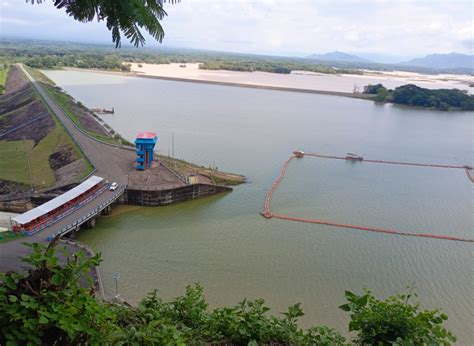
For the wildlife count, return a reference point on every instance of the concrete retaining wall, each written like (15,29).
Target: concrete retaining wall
(165,197)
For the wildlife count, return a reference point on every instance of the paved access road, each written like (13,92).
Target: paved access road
(112,163)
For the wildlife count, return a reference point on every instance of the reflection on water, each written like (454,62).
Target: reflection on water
(226,245)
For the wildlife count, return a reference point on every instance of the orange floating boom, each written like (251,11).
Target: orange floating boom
(268,214)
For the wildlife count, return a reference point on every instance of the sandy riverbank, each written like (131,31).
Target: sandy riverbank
(303,80)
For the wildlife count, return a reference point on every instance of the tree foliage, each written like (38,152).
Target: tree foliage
(373,88)
(443,99)
(44,55)
(395,321)
(121,17)
(50,304)
(412,95)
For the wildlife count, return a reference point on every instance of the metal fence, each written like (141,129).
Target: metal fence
(88,216)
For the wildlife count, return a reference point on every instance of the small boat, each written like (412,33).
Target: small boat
(298,153)
(354,158)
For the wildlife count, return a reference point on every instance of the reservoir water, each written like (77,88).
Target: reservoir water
(223,242)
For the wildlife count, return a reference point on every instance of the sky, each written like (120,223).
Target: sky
(380,29)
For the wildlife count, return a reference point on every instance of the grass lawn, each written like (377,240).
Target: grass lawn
(3,78)
(13,161)
(43,175)
(22,161)
(14,157)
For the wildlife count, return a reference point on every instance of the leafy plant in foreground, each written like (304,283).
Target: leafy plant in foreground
(52,303)
(395,321)
(48,304)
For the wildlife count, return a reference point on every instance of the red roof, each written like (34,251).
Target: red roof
(146,135)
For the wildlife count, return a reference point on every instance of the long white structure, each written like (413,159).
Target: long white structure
(55,203)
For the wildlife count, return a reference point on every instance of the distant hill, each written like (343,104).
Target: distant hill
(338,56)
(443,61)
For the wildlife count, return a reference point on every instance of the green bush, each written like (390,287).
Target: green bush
(51,305)
(48,305)
(394,321)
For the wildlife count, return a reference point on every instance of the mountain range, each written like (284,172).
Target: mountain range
(452,61)
(338,56)
(443,61)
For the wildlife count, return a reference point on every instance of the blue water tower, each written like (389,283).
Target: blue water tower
(144,144)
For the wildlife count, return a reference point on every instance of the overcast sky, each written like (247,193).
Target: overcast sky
(283,27)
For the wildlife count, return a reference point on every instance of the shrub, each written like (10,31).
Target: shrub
(395,321)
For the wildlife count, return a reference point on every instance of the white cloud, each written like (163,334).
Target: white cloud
(287,27)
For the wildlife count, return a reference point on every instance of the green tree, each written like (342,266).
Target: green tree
(48,305)
(382,95)
(373,88)
(395,321)
(121,17)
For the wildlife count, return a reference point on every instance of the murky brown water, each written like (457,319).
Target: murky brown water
(226,245)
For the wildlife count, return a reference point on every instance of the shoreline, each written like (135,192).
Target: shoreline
(220,83)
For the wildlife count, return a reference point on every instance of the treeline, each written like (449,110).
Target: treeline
(284,67)
(47,305)
(43,55)
(412,95)
(47,56)
(81,60)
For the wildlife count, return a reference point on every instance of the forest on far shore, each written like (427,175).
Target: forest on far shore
(47,55)
(412,95)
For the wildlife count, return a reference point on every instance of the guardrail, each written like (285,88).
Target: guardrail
(88,216)
(68,212)
(180,176)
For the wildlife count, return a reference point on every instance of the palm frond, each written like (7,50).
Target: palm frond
(121,16)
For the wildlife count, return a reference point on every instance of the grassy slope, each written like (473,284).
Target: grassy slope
(59,137)
(14,157)
(13,161)
(218,177)
(65,101)
(3,78)
(40,77)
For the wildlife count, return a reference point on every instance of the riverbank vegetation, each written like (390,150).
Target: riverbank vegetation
(412,95)
(48,56)
(273,65)
(48,305)
(216,176)
(78,113)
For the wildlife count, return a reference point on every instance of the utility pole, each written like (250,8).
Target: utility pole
(172,149)
(172,144)
(116,276)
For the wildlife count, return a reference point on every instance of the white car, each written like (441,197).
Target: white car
(113,186)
